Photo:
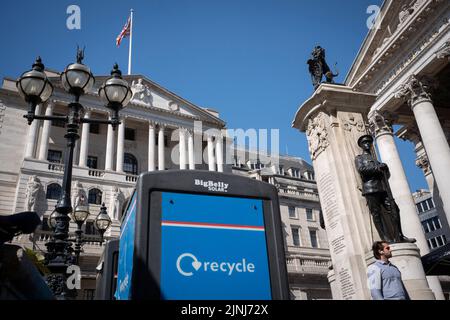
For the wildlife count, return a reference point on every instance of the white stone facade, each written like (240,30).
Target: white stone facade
(102,164)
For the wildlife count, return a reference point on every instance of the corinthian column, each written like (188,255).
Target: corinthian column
(219,153)
(182,145)
(191,150)
(109,148)
(84,147)
(43,149)
(433,137)
(161,150)
(120,146)
(211,162)
(32,133)
(151,146)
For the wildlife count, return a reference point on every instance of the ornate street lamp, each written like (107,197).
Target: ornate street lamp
(102,222)
(35,88)
(115,93)
(79,215)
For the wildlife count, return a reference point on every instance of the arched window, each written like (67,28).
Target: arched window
(130,164)
(54,191)
(95,196)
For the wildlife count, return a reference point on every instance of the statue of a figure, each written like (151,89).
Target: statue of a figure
(141,92)
(376,190)
(33,187)
(80,54)
(80,198)
(318,67)
(117,201)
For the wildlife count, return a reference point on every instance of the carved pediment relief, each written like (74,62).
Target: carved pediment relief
(141,93)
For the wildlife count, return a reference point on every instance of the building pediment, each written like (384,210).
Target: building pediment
(148,94)
(391,44)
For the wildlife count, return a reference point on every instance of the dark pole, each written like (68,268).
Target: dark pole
(60,248)
(78,241)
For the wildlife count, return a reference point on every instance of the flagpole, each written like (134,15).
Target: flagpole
(131,42)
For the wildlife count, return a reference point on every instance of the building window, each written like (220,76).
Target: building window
(419,207)
(58,123)
(130,164)
(292,213)
(281,170)
(89,294)
(436,222)
(313,237)
(90,228)
(95,196)
(94,128)
(425,205)
(296,236)
(54,156)
(54,191)
(430,203)
(439,241)
(433,243)
(309,214)
(431,224)
(425,227)
(130,134)
(295,172)
(92,162)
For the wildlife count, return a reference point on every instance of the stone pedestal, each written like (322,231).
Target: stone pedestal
(333,119)
(406,257)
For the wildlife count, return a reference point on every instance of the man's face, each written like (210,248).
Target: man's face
(366,145)
(387,250)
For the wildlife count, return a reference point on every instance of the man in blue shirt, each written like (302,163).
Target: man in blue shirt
(385,280)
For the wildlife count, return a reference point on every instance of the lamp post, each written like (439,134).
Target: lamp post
(102,222)
(35,88)
(79,215)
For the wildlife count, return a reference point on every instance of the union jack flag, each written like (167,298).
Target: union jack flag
(124,33)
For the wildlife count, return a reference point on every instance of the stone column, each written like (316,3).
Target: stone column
(219,153)
(120,145)
(84,147)
(380,124)
(151,146)
(161,149)
(43,149)
(109,148)
(433,137)
(182,145)
(191,150)
(32,135)
(211,162)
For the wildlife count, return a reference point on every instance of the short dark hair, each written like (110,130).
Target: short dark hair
(376,247)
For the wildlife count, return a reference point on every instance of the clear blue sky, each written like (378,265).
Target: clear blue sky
(245,58)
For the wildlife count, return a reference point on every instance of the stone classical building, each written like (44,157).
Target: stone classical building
(159,131)
(434,222)
(400,76)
